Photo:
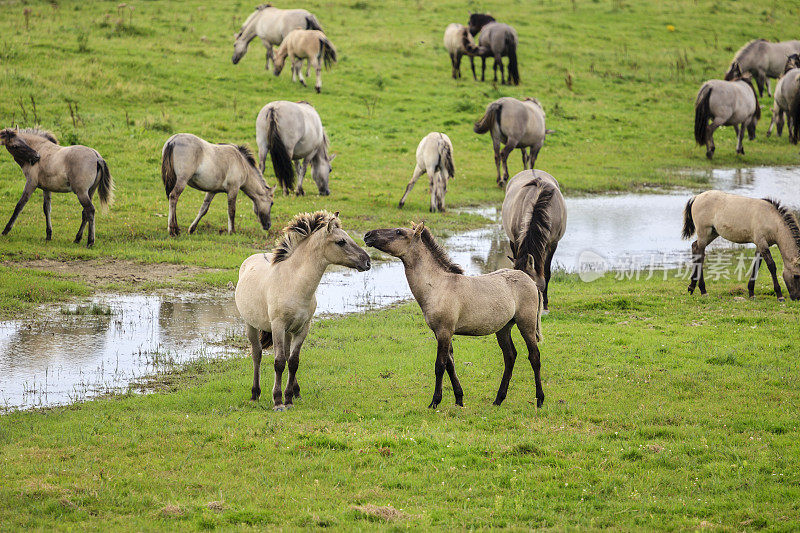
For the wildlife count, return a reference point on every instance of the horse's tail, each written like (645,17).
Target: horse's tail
(167,169)
(702,113)
(266,339)
(511,49)
(534,242)
(312,23)
(446,160)
(688,221)
(281,162)
(794,115)
(105,188)
(491,116)
(328,51)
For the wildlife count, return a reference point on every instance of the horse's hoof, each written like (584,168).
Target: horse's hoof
(89,244)
(300,191)
(192,230)
(545,311)
(740,152)
(703,293)
(691,290)
(318,89)
(433,405)
(539,402)
(287,406)
(710,154)
(781,299)
(400,205)
(279,408)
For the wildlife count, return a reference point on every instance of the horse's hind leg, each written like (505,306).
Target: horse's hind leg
(527,327)
(300,168)
(534,154)
(712,127)
(507,149)
(174,230)
(524,158)
(498,61)
(496,148)
(46,209)
(698,257)
(547,266)
(282,342)
(418,171)
(232,211)
(30,186)
(86,218)
(254,336)
(472,65)
(443,350)
(202,212)
(739,140)
(483,69)
(458,392)
(773,272)
(509,357)
(318,70)
(457,73)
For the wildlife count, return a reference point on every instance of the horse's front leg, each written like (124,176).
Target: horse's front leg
(86,218)
(299,64)
(483,69)
(282,341)
(751,284)
(496,148)
(773,272)
(444,341)
(292,388)
(269,55)
(30,186)
(318,70)
(254,336)
(418,171)
(46,209)
(232,210)
(202,212)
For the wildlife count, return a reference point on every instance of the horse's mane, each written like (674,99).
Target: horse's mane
(249,19)
(263,6)
(537,230)
(299,229)
(305,102)
(534,100)
(788,218)
(792,62)
(44,134)
(439,253)
(247,154)
(747,47)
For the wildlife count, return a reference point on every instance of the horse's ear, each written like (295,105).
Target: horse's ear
(530,264)
(332,157)
(332,223)
(418,229)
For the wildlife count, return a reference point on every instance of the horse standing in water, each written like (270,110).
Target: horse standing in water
(276,293)
(518,124)
(459,42)
(187,159)
(787,91)
(288,132)
(726,103)
(455,304)
(311,45)
(271,25)
(742,220)
(54,168)
(763,60)
(534,218)
(434,156)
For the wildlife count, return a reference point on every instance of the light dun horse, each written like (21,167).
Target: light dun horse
(742,220)
(276,293)
(496,40)
(214,168)
(726,103)
(763,60)
(534,218)
(54,168)
(311,45)
(271,25)
(787,91)
(455,304)
(459,42)
(518,124)
(434,156)
(288,132)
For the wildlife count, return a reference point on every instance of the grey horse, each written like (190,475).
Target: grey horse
(54,168)
(786,93)
(763,60)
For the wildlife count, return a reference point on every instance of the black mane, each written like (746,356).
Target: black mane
(247,153)
(788,218)
(439,253)
(478,21)
(538,231)
(299,229)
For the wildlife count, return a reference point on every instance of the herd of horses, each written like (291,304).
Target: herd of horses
(275,294)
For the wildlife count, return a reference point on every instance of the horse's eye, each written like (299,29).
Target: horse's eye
(399,232)
(341,242)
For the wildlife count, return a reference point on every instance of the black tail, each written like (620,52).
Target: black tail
(312,23)
(446,160)
(266,339)
(281,162)
(167,170)
(794,116)
(688,222)
(534,242)
(491,116)
(702,114)
(513,68)
(328,52)
(106,187)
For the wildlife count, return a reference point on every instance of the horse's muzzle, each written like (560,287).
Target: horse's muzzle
(366,265)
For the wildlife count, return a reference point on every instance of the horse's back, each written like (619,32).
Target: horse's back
(733,217)
(521,197)
(251,291)
(735,101)
(452,36)
(787,88)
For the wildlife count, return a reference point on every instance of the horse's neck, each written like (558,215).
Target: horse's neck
(306,268)
(785,241)
(254,185)
(423,275)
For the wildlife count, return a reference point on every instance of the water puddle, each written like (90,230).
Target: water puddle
(58,356)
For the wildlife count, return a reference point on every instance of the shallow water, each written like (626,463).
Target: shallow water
(55,358)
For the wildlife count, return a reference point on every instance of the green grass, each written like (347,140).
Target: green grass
(663,411)
(23,288)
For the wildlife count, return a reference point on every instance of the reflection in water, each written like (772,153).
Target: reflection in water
(57,358)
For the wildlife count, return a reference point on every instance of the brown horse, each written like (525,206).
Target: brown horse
(54,168)
(742,220)
(455,304)
(311,45)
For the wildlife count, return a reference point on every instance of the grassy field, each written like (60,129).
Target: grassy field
(662,411)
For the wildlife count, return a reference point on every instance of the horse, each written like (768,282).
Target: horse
(459,42)
(763,60)
(54,168)
(518,124)
(434,156)
(271,25)
(276,293)
(534,218)
(498,40)
(455,304)
(739,219)
(187,159)
(311,45)
(731,102)
(478,21)
(292,131)
(786,93)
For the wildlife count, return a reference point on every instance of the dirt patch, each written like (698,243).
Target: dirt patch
(171,510)
(386,513)
(102,272)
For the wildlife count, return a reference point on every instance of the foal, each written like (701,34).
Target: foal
(434,156)
(455,304)
(311,45)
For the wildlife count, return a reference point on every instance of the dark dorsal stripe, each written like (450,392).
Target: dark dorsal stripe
(439,254)
(537,233)
(789,219)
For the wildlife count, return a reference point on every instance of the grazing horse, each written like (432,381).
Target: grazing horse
(213,168)
(54,168)
(726,103)
(455,304)
(271,25)
(434,156)
(459,42)
(742,220)
(276,293)
(534,218)
(763,60)
(288,132)
(311,45)
(518,124)
(786,93)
